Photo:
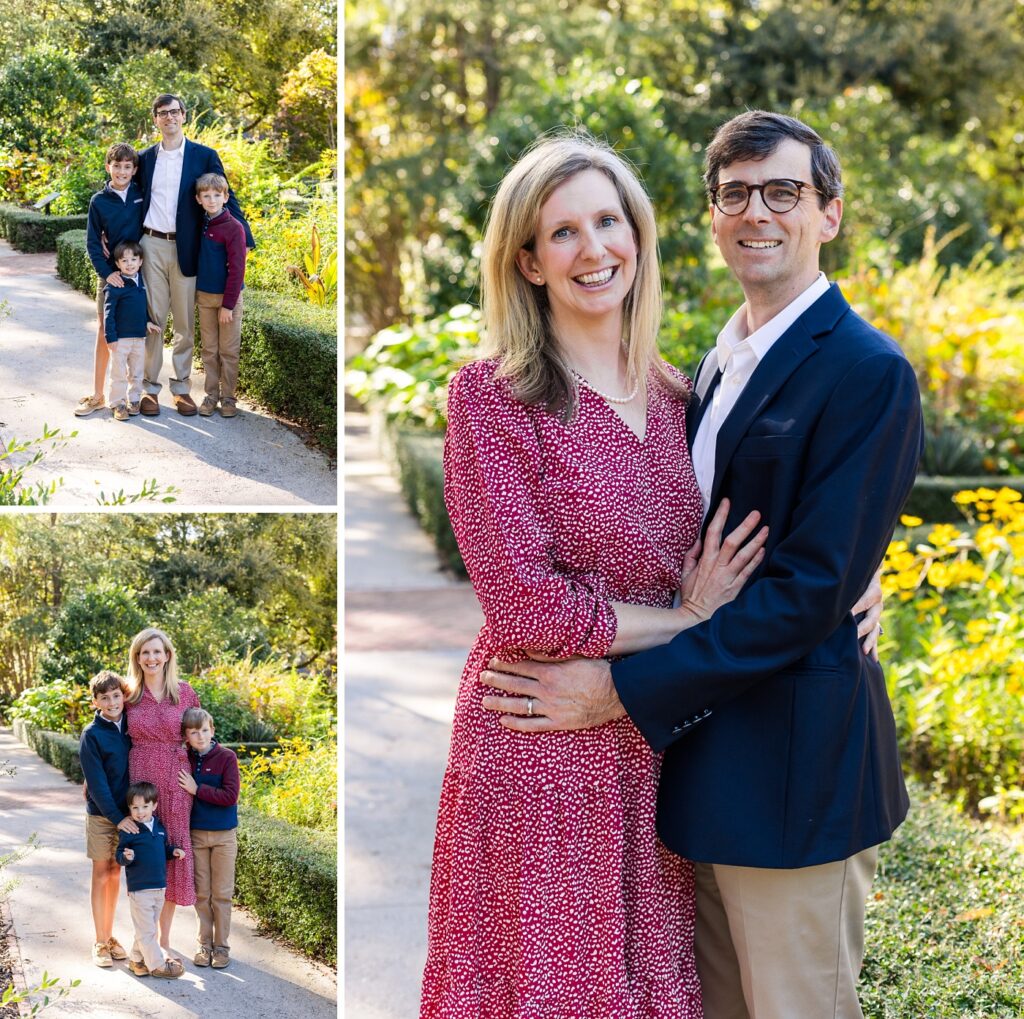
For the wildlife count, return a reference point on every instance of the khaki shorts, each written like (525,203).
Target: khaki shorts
(100,838)
(100,283)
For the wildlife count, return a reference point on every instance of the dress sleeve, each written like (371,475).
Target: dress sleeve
(493,473)
(188,698)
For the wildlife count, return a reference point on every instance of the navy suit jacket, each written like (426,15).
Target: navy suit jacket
(198,159)
(780,745)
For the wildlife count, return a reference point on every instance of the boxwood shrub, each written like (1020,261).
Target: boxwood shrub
(31,231)
(289,356)
(288,877)
(56,748)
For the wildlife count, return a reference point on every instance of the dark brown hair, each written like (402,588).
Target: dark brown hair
(148,792)
(119,151)
(105,681)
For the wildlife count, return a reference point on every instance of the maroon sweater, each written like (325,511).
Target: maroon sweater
(222,258)
(215,806)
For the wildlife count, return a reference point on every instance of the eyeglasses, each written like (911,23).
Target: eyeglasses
(733,197)
(169,113)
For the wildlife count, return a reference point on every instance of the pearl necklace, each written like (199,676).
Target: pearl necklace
(604,396)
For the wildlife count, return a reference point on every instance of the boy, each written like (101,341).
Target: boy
(214,785)
(219,294)
(115,213)
(103,750)
(144,856)
(125,321)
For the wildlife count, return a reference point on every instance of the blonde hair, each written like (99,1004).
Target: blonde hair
(137,681)
(516,313)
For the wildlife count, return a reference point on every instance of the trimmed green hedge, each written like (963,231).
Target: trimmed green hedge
(289,355)
(56,748)
(289,361)
(31,231)
(287,876)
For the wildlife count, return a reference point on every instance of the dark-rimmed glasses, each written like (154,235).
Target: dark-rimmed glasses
(170,112)
(781,195)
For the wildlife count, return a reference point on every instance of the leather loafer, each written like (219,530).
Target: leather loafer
(185,404)
(149,406)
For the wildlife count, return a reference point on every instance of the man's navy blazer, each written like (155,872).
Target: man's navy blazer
(197,160)
(780,745)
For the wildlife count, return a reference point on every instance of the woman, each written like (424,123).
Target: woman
(156,703)
(575,505)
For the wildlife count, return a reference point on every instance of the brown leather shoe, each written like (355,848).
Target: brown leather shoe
(185,404)
(148,406)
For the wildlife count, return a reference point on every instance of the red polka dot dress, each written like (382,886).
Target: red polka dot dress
(157,755)
(551,895)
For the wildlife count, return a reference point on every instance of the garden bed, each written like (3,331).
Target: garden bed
(31,231)
(289,353)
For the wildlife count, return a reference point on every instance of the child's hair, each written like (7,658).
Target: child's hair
(133,246)
(146,790)
(212,182)
(120,151)
(195,718)
(105,682)
(136,681)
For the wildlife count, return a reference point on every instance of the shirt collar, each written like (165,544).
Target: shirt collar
(734,340)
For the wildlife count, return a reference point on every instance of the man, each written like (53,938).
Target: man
(781,773)
(171,231)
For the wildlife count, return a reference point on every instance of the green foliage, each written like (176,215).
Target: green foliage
(296,783)
(252,168)
(45,101)
(288,877)
(320,279)
(953,632)
(62,706)
(289,362)
(24,176)
(31,231)
(943,934)
(233,720)
(307,111)
(92,630)
(37,999)
(13,489)
(210,626)
(932,497)
(84,174)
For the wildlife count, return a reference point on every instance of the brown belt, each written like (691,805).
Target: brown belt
(158,233)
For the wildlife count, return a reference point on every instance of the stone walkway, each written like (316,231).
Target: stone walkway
(50,908)
(408,627)
(46,348)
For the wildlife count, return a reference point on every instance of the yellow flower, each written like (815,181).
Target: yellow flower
(965,498)
(943,534)
(908,521)
(976,630)
(938,576)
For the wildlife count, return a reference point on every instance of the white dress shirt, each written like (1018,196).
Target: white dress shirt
(738,356)
(163,202)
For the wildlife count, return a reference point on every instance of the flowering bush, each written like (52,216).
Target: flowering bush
(296,783)
(60,706)
(957,627)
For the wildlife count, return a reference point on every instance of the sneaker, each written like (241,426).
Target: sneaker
(135,408)
(208,406)
(228,408)
(101,954)
(170,970)
(116,950)
(138,967)
(121,412)
(203,956)
(220,958)
(88,404)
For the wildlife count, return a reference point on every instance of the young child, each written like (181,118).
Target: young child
(214,785)
(115,215)
(219,294)
(125,320)
(103,750)
(144,856)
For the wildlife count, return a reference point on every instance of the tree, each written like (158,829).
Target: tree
(307,112)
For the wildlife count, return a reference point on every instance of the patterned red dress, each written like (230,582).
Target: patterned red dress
(551,895)
(157,755)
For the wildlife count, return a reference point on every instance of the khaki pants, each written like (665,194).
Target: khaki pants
(126,359)
(781,944)
(145,908)
(214,854)
(220,345)
(167,290)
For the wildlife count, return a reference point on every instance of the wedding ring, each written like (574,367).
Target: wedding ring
(529,707)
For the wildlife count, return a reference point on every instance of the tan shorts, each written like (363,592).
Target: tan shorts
(100,838)
(100,283)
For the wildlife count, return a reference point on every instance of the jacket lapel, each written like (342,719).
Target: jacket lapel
(183,184)
(703,390)
(788,352)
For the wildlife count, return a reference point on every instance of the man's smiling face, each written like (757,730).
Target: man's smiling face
(769,251)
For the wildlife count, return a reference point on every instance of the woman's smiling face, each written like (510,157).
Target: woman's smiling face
(153,657)
(584,251)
